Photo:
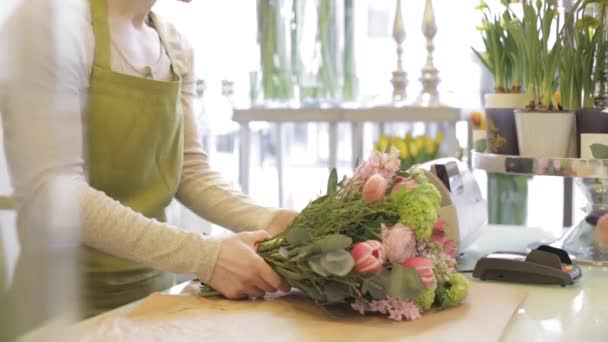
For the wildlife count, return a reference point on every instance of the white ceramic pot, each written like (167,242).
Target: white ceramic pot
(514,101)
(546,134)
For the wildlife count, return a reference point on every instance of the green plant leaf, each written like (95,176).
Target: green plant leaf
(481,145)
(335,292)
(332,242)
(315,264)
(404,282)
(312,292)
(338,262)
(332,183)
(298,236)
(599,151)
(376,285)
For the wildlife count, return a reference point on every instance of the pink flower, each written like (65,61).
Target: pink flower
(396,308)
(439,231)
(424,267)
(399,243)
(439,227)
(358,306)
(403,183)
(374,189)
(449,246)
(369,256)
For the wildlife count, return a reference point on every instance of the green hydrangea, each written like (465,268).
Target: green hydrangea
(418,208)
(426,299)
(418,175)
(452,292)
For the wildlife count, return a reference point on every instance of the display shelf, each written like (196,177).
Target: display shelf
(591,177)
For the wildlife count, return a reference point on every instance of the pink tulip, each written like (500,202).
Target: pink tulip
(407,184)
(449,247)
(424,267)
(374,189)
(399,243)
(369,256)
(439,227)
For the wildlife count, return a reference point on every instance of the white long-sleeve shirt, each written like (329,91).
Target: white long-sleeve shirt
(46,54)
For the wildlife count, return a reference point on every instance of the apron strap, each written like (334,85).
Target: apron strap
(101,30)
(174,52)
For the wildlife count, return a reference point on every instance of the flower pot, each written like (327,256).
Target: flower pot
(500,122)
(546,134)
(592,127)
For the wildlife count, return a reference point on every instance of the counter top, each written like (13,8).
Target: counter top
(550,313)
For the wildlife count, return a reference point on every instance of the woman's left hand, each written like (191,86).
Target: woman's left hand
(282,219)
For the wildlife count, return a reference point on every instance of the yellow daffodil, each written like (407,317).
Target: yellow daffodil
(383,143)
(402,147)
(439,137)
(429,146)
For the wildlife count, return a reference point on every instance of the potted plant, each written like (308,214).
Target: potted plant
(583,58)
(543,128)
(502,62)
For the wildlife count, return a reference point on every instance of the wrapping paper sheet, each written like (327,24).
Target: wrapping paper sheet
(483,317)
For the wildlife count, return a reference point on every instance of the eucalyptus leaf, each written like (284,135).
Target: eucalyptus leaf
(298,236)
(332,242)
(335,292)
(315,264)
(599,151)
(376,285)
(338,262)
(332,183)
(404,282)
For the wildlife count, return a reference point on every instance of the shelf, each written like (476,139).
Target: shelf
(358,114)
(560,167)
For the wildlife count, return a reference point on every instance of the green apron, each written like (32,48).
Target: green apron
(135,150)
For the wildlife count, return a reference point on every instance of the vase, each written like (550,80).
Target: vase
(275,34)
(500,122)
(321,54)
(592,138)
(546,134)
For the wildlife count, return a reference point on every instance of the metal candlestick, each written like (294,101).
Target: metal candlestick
(429,79)
(399,80)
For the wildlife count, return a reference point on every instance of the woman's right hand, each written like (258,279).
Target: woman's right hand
(240,272)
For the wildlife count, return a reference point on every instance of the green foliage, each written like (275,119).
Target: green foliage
(404,283)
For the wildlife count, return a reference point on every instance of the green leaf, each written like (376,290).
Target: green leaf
(332,242)
(335,292)
(338,262)
(315,264)
(481,145)
(298,236)
(599,151)
(332,183)
(312,292)
(404,283)
(376,285)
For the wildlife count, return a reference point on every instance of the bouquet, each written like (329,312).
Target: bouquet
(374,242)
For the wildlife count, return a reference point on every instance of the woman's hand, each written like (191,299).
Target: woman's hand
(240,272)
(282,219)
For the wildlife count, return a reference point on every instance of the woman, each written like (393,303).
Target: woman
(110,127)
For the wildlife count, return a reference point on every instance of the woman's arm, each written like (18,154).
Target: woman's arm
(202,189)
(50,47)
